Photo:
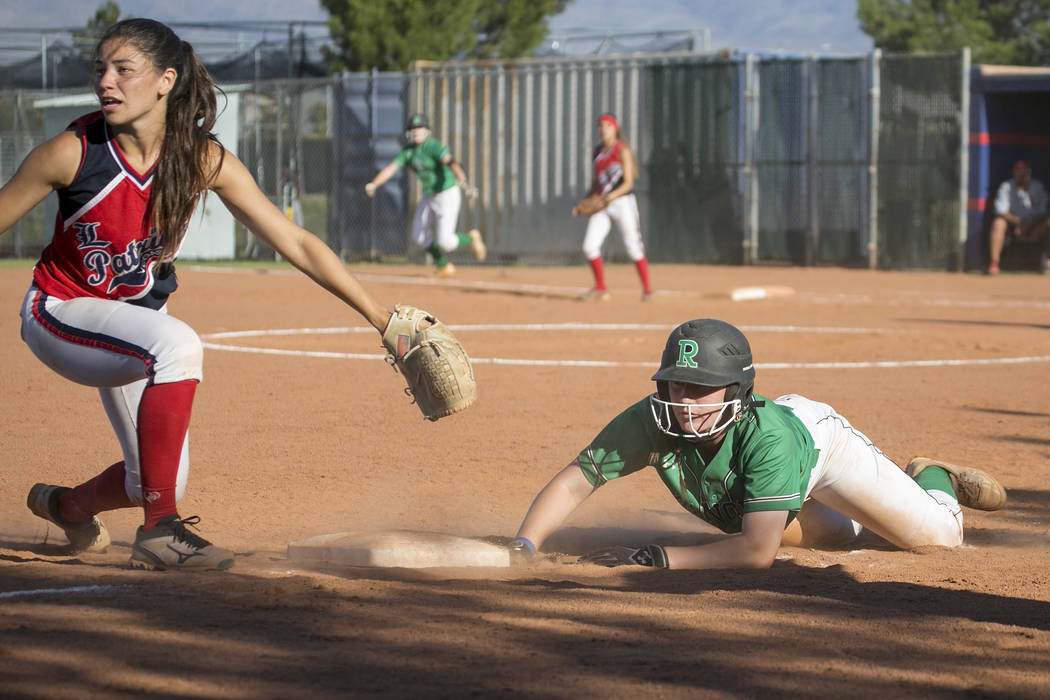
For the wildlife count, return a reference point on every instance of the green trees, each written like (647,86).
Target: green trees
(1015,32)
(106,14)
(389,35)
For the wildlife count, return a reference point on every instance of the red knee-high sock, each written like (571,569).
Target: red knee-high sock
(164,418)
(103,492)
(643,272)
(599,272)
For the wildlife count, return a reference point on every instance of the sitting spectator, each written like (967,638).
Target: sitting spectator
(1020,214)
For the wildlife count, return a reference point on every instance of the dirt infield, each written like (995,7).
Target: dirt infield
(304,432)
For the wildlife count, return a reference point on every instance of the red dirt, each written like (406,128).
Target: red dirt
(285,447)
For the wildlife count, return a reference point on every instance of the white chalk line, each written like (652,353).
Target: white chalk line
(57,591)
(595,363)
(565,326)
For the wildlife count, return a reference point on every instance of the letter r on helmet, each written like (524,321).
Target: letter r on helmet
(687,350)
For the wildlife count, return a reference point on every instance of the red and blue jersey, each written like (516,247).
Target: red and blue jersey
(608,167)
(103,245)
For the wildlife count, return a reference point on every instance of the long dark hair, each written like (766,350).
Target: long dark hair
(183,171)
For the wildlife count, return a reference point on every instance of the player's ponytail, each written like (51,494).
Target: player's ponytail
(184,170)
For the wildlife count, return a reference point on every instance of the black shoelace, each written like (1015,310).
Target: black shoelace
(182,533)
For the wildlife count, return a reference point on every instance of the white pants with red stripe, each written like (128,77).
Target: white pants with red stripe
(120,349)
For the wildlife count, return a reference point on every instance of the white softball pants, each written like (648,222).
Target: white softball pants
(622,211)
(435,220)
(854,484)
(120,349)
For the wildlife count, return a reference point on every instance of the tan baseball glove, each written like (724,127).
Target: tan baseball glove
(591,204)
(433,362)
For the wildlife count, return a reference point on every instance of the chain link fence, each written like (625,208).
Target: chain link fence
(743,159)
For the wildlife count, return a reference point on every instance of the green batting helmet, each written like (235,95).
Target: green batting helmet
(417,121)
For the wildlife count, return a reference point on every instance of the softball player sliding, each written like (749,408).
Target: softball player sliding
(614,173)
(434,225)
(789,471)
(128,178)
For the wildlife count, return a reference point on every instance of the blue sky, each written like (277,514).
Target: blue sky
(802,26)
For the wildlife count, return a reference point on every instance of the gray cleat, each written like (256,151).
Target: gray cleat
(170,545)
(88,536)
(973,487)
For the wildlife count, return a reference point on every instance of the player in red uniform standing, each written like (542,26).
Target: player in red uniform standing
(128,179)
(614,173)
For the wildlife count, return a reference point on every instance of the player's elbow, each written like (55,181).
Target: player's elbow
(758,555)
(761,561)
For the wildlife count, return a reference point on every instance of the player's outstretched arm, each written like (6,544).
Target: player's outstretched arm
(380,179)
(558,499)
(754,548)
(238,191)
(50,166)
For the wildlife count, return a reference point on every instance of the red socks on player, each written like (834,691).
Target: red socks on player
(642,265)
(104,492)
(164,418)
(599,273)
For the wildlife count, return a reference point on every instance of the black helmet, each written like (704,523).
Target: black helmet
(417,121)
(705,352)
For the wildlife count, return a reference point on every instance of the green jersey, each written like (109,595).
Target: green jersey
(427,161)
(763,463)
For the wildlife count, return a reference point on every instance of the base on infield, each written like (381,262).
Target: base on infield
(399,548)
(748,293)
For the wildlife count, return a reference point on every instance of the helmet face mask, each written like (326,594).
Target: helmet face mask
(664,413)
(706,353)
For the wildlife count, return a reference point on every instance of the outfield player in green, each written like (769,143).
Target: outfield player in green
(441,178)
(767,472)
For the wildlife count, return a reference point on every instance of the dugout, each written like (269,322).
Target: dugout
(1008,108)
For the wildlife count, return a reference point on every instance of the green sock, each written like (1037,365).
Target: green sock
(464,239)
(437,254)
(934,478)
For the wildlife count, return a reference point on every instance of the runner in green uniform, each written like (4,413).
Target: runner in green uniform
(434,225)
(786,471)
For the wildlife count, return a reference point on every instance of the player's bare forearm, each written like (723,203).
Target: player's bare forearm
(457,170)
(754,548)
(385,174)
(558,499)
(319,263)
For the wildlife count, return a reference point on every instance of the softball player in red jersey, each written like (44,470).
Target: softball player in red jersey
(614,173)
(128,178)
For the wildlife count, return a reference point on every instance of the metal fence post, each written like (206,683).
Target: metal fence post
(964,159)
(812,160)
(874,95)
(373,119)
(751,117)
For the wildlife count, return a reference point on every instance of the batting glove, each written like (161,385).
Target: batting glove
(619,555)
(469,191)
